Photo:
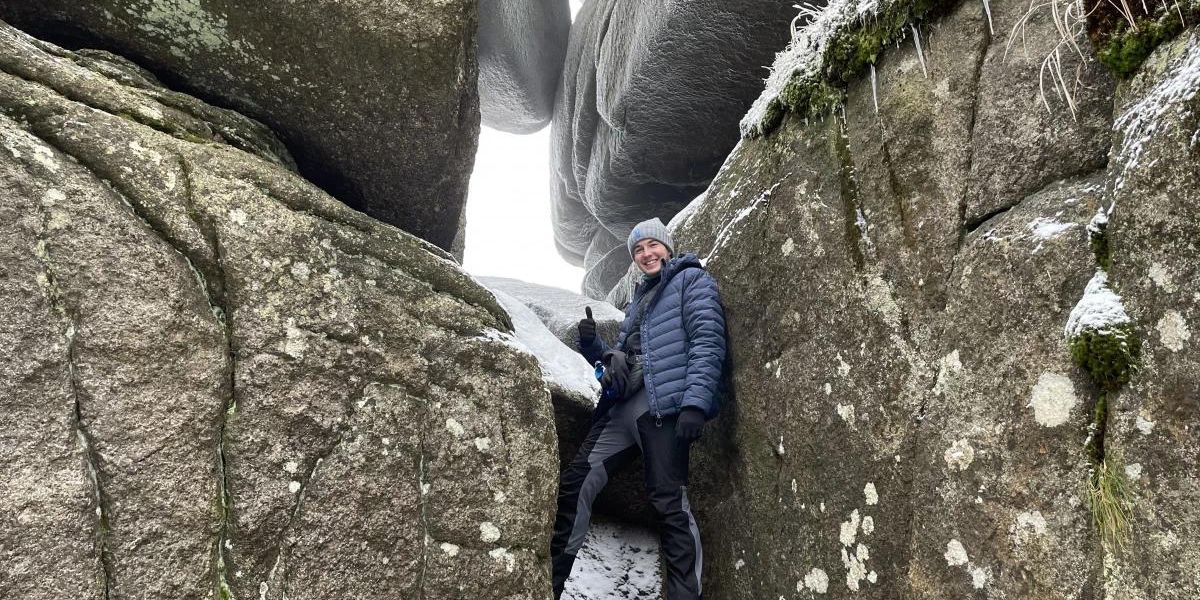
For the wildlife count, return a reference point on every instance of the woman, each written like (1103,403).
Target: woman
(660,385)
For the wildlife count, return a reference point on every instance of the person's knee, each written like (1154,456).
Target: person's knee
(666,499)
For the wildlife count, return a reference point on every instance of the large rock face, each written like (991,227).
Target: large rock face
(559,311)
(1154,235)
(908,421)
(376,99)
(648,108)
(217,381)
(522,44)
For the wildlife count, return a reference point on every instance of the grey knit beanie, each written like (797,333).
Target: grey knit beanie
(653,229)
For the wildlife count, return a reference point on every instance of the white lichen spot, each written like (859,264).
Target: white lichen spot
(788,247)
(979,577)
(1133,471)
(871,495)
(1161,277)
(1144,425)
(1052,399)
(503,555)
(45,157)
(150,112)
(872,576)
(779,450)
(449,549)
(959,455)
(294,486)
(295,343)
(955,554)
(483,444)
(737,566)
(828,389)
(817,581)
(300,271)
(949,373)
(291,466)
(488,532)
(500,496)
(879,299)
(846,412)
(855,563)
(1173,331)
(455,428)
(52,196)
(1028,524)
(868,525)
(426,488)
(849,529)
(843,366)
(238,216)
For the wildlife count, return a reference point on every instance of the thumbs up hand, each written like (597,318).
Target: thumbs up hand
(587,327)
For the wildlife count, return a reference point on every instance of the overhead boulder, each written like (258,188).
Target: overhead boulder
(218,381)
(376,100)
(522,44)
(647,110)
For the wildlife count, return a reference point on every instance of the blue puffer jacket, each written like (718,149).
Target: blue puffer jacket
(683,339)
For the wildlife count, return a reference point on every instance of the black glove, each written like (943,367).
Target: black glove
(616,372)
(690,425)
(587,327)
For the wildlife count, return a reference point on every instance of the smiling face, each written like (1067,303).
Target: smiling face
(650,255)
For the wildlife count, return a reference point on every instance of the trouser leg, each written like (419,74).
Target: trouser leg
(607,448)
(666,484)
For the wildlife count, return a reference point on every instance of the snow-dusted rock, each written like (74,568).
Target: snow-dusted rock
(573,387)
(647,111)
(560,310)
(522,44)
(898,276)
(1154,235)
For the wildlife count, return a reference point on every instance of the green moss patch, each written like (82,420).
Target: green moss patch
(1123,46)
(1109,356)
(849,52)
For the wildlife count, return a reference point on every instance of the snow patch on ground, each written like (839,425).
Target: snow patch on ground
(617,562)
(559,364)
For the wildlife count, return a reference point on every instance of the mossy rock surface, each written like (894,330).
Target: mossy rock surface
(219,381)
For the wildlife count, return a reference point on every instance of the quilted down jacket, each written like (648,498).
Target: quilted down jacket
(682,337)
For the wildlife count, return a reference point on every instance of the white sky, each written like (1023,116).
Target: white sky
(508,210)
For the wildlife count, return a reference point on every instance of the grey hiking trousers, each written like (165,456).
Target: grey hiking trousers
(615,439)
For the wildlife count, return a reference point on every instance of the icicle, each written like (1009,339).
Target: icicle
(920,54)
(987,10)
(874,90)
